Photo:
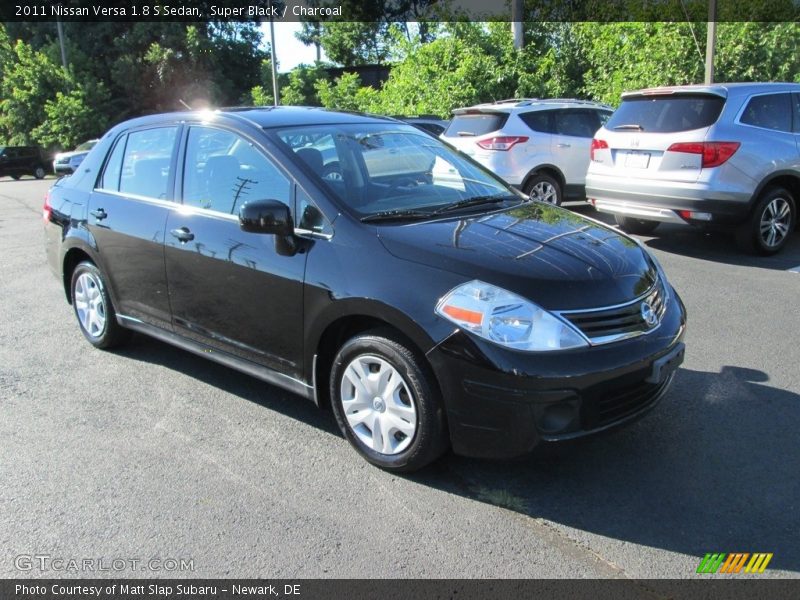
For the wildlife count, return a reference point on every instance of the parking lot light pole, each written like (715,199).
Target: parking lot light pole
(711,40)
(517,8)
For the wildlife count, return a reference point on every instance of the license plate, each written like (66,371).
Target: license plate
(637,160)
(666,365)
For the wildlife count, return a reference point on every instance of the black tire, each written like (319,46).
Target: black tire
(750,236)
(15,177)
(545,188)
(429,440)
(91,280)
(637,226)
(39,172)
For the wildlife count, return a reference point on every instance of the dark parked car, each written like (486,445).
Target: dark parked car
(16,161)
(428,312)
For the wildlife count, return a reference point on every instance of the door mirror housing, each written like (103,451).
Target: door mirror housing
(266,216)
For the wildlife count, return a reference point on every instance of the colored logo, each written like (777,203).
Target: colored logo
(734,562)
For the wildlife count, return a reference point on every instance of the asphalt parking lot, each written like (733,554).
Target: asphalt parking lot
(152,452)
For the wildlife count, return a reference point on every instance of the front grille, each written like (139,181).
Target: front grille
(611,324)
(603,408)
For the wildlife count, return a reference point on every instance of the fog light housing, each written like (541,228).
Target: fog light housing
(556,418)
(690,215)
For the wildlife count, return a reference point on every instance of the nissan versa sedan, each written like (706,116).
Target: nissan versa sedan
(430,306)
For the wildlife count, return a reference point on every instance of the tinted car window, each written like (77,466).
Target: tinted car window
(576,123)
(109,180)
(770,111)
(146,161)
(475,124)
(796,98)
(667,114)
(539,120)
(224,170)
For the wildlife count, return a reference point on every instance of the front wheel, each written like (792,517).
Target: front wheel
(93,308)
(39,172)
(772,221)
(386,403)
(637,226)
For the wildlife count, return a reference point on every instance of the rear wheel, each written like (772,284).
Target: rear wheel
(772,221)
(545,188)
(93,308)
(386,403)
(16,177)
(637,226)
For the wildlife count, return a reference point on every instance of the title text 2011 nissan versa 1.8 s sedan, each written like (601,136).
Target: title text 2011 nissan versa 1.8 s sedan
(360,262)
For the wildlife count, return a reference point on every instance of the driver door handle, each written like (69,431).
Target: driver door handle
(99,214)
(183,234)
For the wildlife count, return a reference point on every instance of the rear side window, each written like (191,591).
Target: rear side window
(666,114)
(539,120)
(109,180)
(146,162)
(769,111)
(475,124)
(796,98)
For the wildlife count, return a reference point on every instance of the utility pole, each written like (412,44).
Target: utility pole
(275,94)
(711,40)
(517,9)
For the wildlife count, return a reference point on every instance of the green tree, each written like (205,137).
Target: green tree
(72,117)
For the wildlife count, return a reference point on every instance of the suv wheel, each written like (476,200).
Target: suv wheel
(15,177)
(39,172)
(545,188)
(386,403)
(772,221)
(637,226)
(93,308)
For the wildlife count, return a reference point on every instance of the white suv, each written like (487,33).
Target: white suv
(540,146)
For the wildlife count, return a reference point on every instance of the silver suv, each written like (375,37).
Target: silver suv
(538,146)
(721,156)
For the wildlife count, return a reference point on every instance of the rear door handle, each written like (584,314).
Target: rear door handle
(183,234)
(99,214)
(565,145)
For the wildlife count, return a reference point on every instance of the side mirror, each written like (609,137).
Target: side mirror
(266,216)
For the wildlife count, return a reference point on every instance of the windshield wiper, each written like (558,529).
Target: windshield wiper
(476,201)
(396,215)
(634,126)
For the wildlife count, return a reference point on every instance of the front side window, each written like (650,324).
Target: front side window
(577,123)
(769,111)
(146,162)
(223,170)
(380,168)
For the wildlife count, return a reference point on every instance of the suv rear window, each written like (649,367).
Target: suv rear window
(667,114)
(475,124)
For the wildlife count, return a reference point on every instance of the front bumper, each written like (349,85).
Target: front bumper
(659,200)
(502,403)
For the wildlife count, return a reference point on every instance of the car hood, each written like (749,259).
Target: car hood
(558,259)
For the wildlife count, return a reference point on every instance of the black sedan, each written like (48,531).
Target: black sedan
(367,266)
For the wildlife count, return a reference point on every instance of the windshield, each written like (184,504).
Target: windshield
(85,146)
(381,168)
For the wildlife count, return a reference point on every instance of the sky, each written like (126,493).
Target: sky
(289,51)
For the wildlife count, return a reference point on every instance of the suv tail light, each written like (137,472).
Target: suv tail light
(597,145)
(503,142)
(714,153)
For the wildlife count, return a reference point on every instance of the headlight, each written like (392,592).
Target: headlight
(506,319)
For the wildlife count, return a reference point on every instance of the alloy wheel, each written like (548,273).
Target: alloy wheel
(89,305)
(545,191)
(775,221)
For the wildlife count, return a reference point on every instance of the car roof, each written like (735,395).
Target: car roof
(268,116)
(513,104)
(719,89)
